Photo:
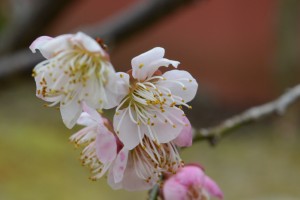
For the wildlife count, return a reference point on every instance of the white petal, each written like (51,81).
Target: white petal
(111,181)
(93,114)
(116,89)
(70,112)
(119,165)
(86,120)
(106,146)
(55,45)
(149,70)
(128,131)
(131,181)
(88,43)
(40,41)
(141,65)
(166,132)
(188,92)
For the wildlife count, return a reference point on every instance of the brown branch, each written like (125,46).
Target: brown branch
(113,31)
(277,106)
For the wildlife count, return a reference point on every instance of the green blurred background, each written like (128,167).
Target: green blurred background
(242,53)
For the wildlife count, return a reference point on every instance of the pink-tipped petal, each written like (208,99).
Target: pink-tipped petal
(185,138)
(212,188)
(40,41)
(187,88)
(120,165)
(106,146)
(146,64)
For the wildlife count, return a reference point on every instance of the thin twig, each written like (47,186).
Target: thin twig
(277,106)
(113,31)
(154,192)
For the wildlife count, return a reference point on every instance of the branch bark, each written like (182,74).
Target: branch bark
(277,106)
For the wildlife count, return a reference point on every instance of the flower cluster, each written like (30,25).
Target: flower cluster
(149,124)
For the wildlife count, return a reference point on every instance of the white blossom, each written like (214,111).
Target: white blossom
(77,69)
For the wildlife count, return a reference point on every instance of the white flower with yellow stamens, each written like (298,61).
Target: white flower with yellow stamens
(141,167)
(77,69)
(150,107)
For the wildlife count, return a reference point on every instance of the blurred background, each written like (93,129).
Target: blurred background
(243,53)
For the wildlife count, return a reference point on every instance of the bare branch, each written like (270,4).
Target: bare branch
(277,106)
(113,31)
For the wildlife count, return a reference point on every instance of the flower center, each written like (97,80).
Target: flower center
(148,103)
(151,160)
(68,71)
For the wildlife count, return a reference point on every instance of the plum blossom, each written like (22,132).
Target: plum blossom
(141,167)
(153,105)
(100,144)
(190,183)
(76,69)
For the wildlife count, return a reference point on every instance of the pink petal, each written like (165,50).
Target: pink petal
(189,176)
(172,190)
(188,92)
(128,131)
(106,146)
(120,165)
(40,41)
(185,138)
(212,188)
(146,64)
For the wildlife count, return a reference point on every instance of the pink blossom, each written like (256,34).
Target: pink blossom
(191,183)
(100,144)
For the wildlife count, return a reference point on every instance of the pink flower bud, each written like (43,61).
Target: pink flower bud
(190,183)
